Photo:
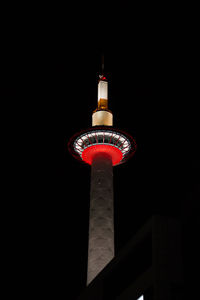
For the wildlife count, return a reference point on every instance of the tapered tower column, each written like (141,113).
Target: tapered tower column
(102,147)
(101,219)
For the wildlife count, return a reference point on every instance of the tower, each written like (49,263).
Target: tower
(102,146)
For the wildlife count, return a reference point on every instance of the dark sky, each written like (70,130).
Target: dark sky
(51,67)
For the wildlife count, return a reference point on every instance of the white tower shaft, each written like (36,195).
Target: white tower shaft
(101,220)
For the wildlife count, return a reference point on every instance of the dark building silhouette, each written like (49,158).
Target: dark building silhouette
(150,265)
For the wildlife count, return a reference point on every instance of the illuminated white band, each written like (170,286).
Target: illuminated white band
(102,117)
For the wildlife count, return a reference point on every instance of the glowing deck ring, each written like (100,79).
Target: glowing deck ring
(116,143)
(114,153)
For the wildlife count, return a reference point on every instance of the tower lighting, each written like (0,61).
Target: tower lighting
(102,146)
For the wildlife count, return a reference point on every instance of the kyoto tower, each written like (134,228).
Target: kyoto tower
(102,146)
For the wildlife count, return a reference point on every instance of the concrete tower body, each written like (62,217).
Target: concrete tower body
(103,147)
(101,224)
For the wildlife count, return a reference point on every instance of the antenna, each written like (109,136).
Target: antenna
(102,63)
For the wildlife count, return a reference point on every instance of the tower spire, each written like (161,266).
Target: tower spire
(102,63)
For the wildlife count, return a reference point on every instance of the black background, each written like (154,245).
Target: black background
(50,66)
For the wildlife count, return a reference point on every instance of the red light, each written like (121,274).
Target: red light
(115,153)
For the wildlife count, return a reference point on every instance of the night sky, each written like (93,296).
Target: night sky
(51,69)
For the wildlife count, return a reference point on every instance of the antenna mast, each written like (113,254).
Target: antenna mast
(102,63)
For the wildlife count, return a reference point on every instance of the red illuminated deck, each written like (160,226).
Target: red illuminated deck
(115,154)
